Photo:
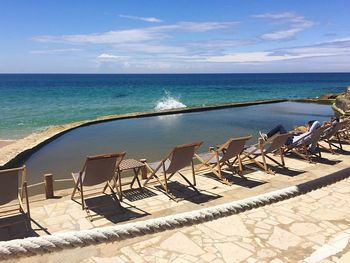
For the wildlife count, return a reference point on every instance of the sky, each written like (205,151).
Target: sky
(178,36)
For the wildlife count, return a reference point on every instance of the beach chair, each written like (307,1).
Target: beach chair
(307,146)
(344,132)
(98,169)
(266,150)
(331,135)
(228,154)
(180,157)
(14,199)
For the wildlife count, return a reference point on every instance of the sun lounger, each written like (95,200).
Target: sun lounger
(332,134)
(228,154)
(180,157)
(344,132)
(307,146)
(265,149)
(98,169)
(14,196)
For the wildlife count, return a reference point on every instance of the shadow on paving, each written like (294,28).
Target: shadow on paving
(18,230)
(138,194)
(286,171)
(325,161)
(109,207)
(315,159)
(184,192)
(246,182)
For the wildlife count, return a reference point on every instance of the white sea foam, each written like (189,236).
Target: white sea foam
(168,102)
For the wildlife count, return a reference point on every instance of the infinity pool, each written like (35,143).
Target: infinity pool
(153,137)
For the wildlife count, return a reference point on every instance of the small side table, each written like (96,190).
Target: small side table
(129,164)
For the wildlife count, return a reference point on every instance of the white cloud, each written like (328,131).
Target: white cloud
(336,47)
(258,57)
(105,56)
(151,48)
(136,35)
(146,19)
(54,51)
(205,26)
(121,36)
(296,23)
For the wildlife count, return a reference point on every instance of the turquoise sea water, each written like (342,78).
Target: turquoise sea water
(30,102)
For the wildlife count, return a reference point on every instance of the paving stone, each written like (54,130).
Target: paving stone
(283,239)
(304,229)
(178,242)
(232,252)
(229,227)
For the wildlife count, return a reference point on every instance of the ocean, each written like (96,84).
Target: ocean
(31,102)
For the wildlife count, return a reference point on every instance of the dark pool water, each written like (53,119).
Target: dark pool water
(153,137)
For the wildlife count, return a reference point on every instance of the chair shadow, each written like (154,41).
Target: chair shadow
(109,207)
(325,161)
(138,194)
(315,159)
(286,171)
(184,192)
(246,182)
(18,230)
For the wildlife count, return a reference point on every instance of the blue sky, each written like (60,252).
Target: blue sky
(182,36)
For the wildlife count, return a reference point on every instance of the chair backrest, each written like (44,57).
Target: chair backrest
(277,142)
(234,147)
(314,137)
(10,181)
(181,156)
(101,168)
(331,131)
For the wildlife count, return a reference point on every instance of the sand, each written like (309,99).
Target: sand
(3,143)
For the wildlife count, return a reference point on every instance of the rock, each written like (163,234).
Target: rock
(342,102)
(330,96)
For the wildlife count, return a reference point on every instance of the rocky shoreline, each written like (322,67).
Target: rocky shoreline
(342,103)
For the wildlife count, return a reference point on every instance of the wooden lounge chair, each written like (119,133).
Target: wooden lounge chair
(265,149)
(14,196)
(180,157)
(98,169)
(227,155)
(344,132)
(303,147)
(332,134)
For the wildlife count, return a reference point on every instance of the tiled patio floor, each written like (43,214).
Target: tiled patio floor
(288,230)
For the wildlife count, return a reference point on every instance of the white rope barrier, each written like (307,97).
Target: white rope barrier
(46,244)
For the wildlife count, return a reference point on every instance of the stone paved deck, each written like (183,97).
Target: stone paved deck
(288,231)
(314,227)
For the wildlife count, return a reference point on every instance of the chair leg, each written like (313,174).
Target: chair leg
(282,157)
(74,190)
(193,173)
(260,165)
(82,198)
(165,179)
(189,183)
(29,226)
(264,161)
(339,141)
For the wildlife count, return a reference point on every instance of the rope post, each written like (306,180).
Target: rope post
(48,180)
(143,169)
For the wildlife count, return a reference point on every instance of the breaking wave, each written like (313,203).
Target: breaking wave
(168,102)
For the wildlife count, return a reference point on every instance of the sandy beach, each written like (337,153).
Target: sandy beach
(3,143)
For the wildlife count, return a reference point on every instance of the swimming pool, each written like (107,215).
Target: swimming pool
(153,137)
